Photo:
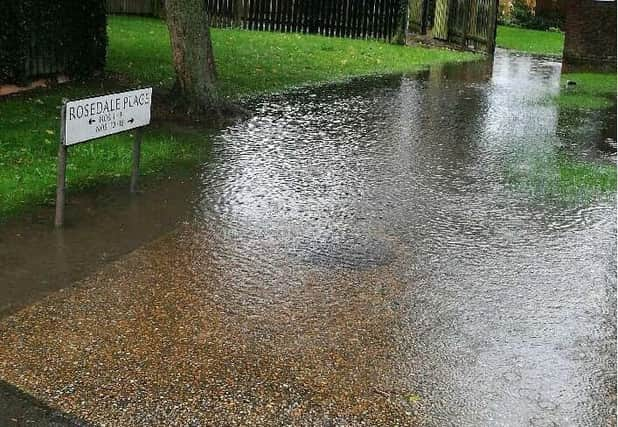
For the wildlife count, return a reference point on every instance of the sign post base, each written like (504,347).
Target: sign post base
(137,151)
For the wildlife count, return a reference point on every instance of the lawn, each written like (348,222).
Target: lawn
(531,41)
(548,174)
(248,63)
(591,91)
(251,62)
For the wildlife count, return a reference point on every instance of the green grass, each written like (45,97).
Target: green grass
(583,178)
(29,145)
(248,63)
(592,91)
(531,41)
(548,174)
(251,62)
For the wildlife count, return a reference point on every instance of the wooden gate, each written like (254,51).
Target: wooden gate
(468,23)
(472,23)
(417,16)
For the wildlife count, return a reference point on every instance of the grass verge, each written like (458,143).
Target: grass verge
(248,63)
(551,175)
(532,41)
(592,91)
(252,62)
(29,144)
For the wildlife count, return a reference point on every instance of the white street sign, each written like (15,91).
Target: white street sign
(93,118)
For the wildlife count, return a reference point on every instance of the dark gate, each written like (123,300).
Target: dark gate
(467,23)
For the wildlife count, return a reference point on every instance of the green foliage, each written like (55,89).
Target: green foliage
(531,41)
(521,12)
(592,91)
(68,36)
(522,15)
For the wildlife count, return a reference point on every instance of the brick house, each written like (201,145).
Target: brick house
(590,35)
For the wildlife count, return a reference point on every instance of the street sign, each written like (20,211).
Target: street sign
(92,118)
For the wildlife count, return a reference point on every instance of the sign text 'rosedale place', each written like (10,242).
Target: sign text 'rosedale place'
(92,118)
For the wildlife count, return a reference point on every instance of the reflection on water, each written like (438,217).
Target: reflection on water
(509,301)
(591,133)
(373,222)
(35,259)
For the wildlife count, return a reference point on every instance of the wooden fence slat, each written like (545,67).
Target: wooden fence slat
(375,19)
(294,16)
(355,28)
(278,20)
(256,14)
(339,5)
(327,17)
(384,16)
(283,23)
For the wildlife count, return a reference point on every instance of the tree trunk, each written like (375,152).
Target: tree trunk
(192,53)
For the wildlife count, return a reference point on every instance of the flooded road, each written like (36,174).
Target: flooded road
(359,254)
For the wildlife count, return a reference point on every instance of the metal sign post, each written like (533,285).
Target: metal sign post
(137,154)
(93,118)
(62,171)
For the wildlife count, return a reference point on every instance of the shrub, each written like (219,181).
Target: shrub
(522,15)
(39,37)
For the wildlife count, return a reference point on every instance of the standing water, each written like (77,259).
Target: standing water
(389,251)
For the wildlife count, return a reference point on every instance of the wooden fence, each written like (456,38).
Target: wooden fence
(341,18)
(472,23)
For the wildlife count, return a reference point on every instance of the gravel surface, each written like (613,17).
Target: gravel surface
(160,338)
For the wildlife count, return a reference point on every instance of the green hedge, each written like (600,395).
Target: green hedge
(42,37)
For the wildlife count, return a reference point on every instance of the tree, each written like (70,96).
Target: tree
(192,54)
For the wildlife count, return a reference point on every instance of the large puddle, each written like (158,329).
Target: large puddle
(368,236)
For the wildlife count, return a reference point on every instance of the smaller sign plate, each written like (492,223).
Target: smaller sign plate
(92,118)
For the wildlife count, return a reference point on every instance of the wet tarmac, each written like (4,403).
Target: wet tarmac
(353,255)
